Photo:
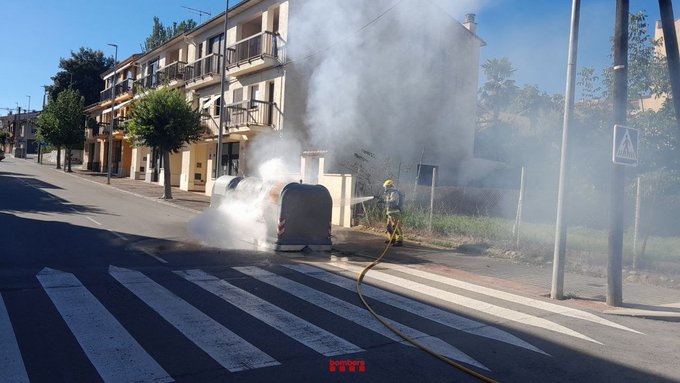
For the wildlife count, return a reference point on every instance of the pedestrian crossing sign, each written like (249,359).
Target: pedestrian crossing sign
(625,150)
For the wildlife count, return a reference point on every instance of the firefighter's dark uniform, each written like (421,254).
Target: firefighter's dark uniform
(393,211)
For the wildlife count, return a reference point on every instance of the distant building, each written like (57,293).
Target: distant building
(21,132)
(655,103)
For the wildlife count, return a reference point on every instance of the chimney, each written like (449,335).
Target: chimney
(470,22)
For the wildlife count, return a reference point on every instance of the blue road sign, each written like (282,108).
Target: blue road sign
(625,150)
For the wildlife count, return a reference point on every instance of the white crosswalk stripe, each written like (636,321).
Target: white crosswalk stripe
(227,348)
(446,318)
(464,301)
(530,302)
(297,328)
(111,349)
(357,314)
(117,356)
(12,368)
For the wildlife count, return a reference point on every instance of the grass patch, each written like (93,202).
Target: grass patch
(535,239)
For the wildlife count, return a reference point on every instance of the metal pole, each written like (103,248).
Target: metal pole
(520,205)
(113,103)
(434,182)
(557,288)
(28,121)
(636,232)
(672,55)
(40,144)
(224,86)
(615,253)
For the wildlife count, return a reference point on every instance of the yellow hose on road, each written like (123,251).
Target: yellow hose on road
(441,357)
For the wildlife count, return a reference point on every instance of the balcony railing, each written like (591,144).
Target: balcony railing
(121,88)
(259,45)
(249,112)
(172,72)
(206,66)
(148,82)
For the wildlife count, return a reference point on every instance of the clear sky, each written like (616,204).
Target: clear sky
(533,34)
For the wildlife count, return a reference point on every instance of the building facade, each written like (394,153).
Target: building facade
(269,94)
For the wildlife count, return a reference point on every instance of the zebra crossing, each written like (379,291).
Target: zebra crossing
(118,357)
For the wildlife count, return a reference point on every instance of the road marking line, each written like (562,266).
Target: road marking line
(147,252)
(357,314)
(91,219)
(228,349)
(435,314)
(117,234)
(12,367)
(464,301)
(112,350)
(295,327)
(531,302)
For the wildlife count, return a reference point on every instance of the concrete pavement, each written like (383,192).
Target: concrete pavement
(640,300)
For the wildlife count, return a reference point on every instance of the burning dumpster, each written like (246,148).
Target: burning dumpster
(292,215)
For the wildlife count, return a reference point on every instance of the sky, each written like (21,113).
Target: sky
(534,35)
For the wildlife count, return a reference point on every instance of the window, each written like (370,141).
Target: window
(218,105)
(215,44)
(238,95)
(230,161)
(254,95)
(151,72)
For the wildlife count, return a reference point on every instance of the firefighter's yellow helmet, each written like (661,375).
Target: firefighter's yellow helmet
(388,184)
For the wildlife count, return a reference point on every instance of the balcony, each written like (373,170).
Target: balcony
(253,53)
(172,72)
(147,82)
(121,88)
(250,116)
(203,70)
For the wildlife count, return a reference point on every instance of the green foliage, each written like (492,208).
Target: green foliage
(160,33)
(61,123)
(496,93)
(163,119)
(4,137)
(645,68)
(82,72)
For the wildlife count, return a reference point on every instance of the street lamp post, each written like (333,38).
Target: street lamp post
(224,84)
(113,102)
(28,122)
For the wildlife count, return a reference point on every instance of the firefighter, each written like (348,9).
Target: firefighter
(393,202)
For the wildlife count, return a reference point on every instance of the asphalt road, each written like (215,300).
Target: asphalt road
(101,285)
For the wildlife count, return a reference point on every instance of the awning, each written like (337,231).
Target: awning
(118,106)
(209,101)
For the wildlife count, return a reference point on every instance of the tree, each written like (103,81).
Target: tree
(82,71)
(497,92)
(61,123)
(641,59)
(160,34)
(163,119)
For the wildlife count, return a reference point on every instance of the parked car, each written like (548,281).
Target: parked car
(2,155)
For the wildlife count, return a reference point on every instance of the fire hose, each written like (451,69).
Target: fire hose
(412,341)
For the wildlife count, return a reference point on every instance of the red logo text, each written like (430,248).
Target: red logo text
(347,365)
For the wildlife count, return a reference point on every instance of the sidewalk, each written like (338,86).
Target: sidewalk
(192,201)
(640,300)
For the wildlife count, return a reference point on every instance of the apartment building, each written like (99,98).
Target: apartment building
(21,133)
(267,94)
(96,148)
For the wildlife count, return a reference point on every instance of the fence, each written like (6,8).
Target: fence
(489,217)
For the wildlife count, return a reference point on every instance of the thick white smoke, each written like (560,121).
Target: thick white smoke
(390,77)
